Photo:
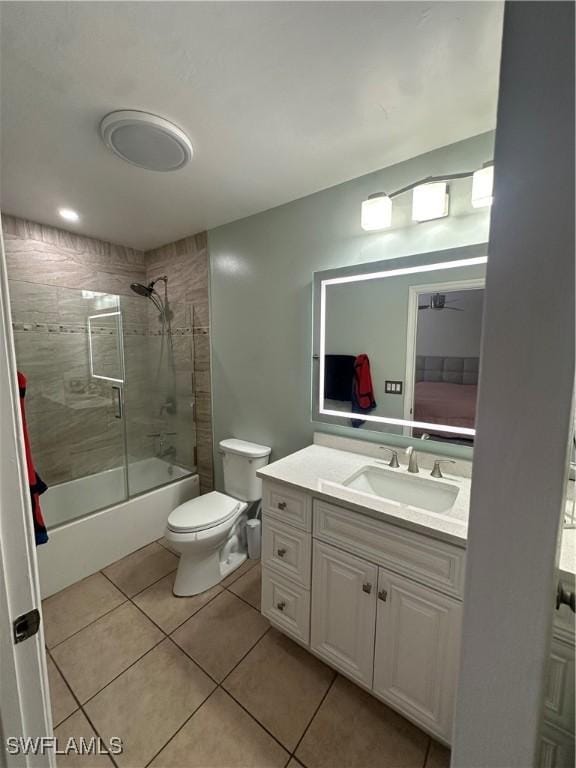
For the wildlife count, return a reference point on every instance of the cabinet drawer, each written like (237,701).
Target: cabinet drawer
(286,550)
(288,505)
(286,605)
(556,748)
(559,692)
(431,562)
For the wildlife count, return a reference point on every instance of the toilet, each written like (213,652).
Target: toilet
(208,531)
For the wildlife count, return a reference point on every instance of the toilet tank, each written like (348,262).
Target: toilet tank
(241,462)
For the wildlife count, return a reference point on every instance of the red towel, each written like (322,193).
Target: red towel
(363,393)
(37,485)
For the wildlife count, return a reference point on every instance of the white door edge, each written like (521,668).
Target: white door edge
(24,694)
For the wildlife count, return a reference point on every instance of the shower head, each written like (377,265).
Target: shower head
(142,290)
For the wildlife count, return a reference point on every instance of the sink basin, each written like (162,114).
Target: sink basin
(403,490)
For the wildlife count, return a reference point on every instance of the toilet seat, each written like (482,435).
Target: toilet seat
(204,512)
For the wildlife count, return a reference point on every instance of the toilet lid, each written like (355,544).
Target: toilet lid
(203,512)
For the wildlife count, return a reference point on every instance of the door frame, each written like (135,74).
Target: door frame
(525,398)
(24,693)
(414,291)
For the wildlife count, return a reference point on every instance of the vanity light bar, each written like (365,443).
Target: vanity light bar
(482,183)
(373,276)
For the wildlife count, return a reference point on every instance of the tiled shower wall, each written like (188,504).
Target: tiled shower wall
(73,430)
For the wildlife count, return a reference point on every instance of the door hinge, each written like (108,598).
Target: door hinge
(26,626)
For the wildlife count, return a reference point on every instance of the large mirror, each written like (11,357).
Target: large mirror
(397,344)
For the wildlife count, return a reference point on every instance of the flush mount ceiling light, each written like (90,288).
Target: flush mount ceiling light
(430,201)
(482,184)
(68,214)
(376,212)
(146,140)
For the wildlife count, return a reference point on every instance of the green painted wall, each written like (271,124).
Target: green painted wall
(261,291)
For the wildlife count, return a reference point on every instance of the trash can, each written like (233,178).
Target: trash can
(254,534)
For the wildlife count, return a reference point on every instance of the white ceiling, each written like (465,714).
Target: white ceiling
(280,99)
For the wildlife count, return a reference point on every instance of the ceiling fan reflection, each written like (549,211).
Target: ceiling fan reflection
(438,301)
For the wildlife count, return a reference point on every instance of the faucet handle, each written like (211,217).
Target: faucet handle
(393,459)
(436,470)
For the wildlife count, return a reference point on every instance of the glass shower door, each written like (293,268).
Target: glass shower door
(69,347)
(159,396)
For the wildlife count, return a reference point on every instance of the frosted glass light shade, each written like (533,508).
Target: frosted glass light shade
(376,213)
(482,184)
(430,201)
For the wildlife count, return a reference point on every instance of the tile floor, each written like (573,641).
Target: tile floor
(205,682)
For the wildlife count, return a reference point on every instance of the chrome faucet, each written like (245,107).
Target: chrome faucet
(412,460)
(436,470)
(393,459)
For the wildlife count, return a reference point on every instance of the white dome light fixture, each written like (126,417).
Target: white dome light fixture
(68,214)
(146,140)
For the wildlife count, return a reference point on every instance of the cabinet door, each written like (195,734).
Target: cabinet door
(556,748)
(416,651)
(344,611)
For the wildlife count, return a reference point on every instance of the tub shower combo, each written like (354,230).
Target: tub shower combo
(110,408)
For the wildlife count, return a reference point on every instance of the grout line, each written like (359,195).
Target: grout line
(264,728)
(80,708)
(177,731)
(129,597)
(77,632)
(91,698)
(243,600)
(200,667)
(192,614)
(246,654)
(301,739)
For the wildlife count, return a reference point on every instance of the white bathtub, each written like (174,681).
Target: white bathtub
(76,498)
(81,543)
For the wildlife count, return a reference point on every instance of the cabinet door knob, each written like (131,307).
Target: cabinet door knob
(383,595)
(367,587)
(281,605)
(281,505)
(281,552)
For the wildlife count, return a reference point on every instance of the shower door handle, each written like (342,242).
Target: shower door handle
(117,401)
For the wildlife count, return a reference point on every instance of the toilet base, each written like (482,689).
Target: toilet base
(198,574)
(235,560)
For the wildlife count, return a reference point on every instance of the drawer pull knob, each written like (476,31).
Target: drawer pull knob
(383,595)
(281,552)
(282,505)
(367,587)
(281,605)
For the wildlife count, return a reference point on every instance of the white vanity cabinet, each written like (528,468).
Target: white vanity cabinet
(377,602)
(557,734)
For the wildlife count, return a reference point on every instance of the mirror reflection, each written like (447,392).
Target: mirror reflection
(400,349)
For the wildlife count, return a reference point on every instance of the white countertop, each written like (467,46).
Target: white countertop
(321,470)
